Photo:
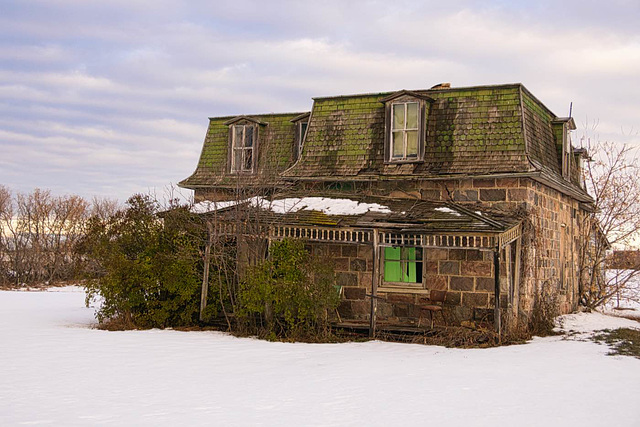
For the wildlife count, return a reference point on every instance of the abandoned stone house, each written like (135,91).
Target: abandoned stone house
(473,191)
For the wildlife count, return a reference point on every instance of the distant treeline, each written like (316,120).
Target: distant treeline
(39,234)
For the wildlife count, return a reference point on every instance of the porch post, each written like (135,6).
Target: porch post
(496,309)
(374,285)
(205,275)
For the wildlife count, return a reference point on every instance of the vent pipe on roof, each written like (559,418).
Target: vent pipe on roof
(442,86)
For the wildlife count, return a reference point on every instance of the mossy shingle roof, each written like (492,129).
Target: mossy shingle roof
(468,131)
(471,131)
(276,134)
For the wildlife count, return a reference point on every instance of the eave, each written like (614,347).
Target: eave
(247,118)
(404,92)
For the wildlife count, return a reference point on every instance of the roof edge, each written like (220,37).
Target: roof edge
(447,90)
(404,92)
(229,117)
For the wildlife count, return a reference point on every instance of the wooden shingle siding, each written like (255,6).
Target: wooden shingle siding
(541,143)
(474,130)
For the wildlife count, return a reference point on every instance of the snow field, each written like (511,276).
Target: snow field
(56,370)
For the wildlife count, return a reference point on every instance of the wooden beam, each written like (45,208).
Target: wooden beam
(496,309)
(374,286)
(205,276)
(516,274)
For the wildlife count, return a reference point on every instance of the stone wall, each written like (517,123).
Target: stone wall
(556,220)
(466,275)
(550,260)
(353,265)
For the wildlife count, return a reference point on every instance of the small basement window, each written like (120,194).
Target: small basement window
(242,147)
(402,266)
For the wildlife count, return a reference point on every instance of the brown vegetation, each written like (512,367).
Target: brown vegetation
(612,180)
(39,233)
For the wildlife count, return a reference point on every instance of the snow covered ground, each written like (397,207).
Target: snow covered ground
(626,302)
(56,370)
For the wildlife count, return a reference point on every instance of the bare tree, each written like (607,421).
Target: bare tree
(6,209)
(103,208)
(38,234)
(612,180)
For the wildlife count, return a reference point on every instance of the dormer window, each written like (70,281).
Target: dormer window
(301,130)
(301,122)
(404,131)
(562,127)
(243,144)
(405,126)
(242,147)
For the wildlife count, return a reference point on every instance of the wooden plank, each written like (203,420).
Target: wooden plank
(205,276)
(374,286)
(496,309)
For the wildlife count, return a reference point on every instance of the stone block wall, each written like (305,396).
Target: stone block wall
(466,275)
(552,259)
(557,220)
(353,265)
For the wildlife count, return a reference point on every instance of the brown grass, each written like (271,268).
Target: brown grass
(622,341)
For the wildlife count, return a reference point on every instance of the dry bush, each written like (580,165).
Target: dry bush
(38,235)
(546,309)
(612,180)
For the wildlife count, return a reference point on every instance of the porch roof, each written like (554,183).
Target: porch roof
(399,215)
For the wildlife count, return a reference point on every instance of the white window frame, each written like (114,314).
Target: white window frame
(240,146)
(566,154)
(301,135)
(404,131)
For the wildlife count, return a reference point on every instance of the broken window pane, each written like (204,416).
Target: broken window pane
(248,136)
(248,159)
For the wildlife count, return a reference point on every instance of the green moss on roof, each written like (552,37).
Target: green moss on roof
(541,142)
(274,153)
(469,130)
(474,130)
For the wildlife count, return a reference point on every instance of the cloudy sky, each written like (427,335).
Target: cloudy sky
(111,98)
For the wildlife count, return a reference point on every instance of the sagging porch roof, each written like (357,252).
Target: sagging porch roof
(353,220)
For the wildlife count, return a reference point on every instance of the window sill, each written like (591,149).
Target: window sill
(401,162)
(403,290)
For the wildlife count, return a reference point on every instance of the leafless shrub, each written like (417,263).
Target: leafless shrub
(38,236)
(612,180)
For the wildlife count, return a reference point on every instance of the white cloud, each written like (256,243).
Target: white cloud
(116,95)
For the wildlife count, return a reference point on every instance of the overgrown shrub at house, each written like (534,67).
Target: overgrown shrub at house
(546,308)
(289,295)
(147,274)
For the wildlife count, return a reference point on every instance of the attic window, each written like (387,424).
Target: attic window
(301,131)
(301,122)
(405,126)
(562,127)
(242,148)
(404,131)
